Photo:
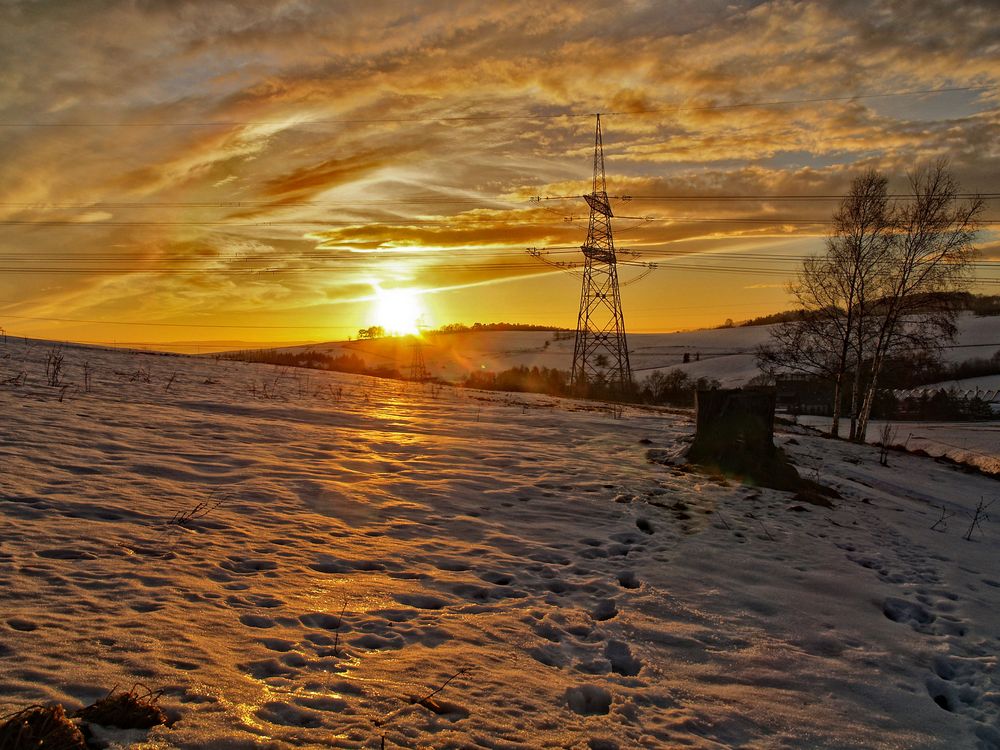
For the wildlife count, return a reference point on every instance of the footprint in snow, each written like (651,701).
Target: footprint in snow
(606,609)
(588,700)
(645,526)
(257,621)
(65,554)
(264,669)
(277,644)
(320,620)
(289,715)
(622,661)
(247,566)
(628,580)
(420,601)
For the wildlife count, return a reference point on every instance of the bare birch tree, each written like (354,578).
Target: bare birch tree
(881,288)
(930,255)
(834,292)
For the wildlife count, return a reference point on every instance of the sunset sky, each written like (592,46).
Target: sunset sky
(258,171)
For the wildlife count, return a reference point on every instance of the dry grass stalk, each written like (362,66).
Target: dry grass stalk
(979,516)
(17,380)
(426,701)
(53,367)
(943,520)
(200,510)
(887,437)
(336,638)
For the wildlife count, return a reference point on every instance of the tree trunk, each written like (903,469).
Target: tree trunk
(869,402)
(835,424)
(855,393)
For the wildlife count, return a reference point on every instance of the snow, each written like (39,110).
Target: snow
(978,337)
(983,385)
(725,354)
(973,443)
(362,541)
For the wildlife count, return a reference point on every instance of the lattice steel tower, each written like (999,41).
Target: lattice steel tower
(418,366)
(600,355)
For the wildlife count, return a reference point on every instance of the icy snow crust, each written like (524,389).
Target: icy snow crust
(601,597)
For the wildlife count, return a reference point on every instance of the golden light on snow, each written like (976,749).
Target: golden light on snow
(398,311)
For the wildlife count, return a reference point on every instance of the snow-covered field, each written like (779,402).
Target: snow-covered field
(973,443)
(725,354)
(375,538)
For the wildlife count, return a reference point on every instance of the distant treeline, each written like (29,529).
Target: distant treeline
(462,328)
(766,320)
(351,363)
(674,387)
(904,373)
(520,380)
(978,304)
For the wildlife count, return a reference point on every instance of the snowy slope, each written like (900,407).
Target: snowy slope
(725,354)
(600,599)
(973,443)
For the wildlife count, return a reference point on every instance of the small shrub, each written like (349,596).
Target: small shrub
(135,709)
(40,728)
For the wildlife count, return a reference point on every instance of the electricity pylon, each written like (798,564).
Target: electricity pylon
(418,366)
(600,356)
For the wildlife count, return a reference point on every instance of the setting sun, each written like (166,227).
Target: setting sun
(500,374)
(398,311)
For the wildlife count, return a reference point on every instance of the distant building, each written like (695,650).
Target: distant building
(803,394)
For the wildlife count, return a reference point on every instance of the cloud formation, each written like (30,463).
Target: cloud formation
(231,163)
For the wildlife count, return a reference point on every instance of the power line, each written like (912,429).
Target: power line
(210,346)
(489,117)
(172,325)
(261,271)
(250,204)
(491,204)
(277,222)
(348,255)
(755,197)
(265,263)
(291,327)
(769,271)
(408,222)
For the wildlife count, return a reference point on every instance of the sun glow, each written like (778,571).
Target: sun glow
(398,311)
